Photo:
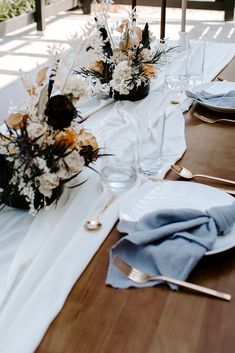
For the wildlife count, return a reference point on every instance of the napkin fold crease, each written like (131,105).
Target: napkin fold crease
(168,242)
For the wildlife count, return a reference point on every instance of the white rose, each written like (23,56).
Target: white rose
(74,162)
(47,182)
(35,130)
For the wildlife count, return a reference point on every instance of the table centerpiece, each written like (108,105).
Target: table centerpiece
(121,60)
(43,146)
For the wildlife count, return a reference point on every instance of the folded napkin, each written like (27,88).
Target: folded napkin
(220,99)
(168,242)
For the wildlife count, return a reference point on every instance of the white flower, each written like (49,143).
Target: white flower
(88,47)
(122,75)
(119,55)
(75,86)
(41,163)
(146,54)
(74,162)
(36,129)
(47,182)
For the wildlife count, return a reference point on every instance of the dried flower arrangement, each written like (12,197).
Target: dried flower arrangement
(123,64)
(43,147)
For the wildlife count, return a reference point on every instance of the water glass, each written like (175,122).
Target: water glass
(176,84)
(196,63)
(118,167)
(150,144)
(183,42)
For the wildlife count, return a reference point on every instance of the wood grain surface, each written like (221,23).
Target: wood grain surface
(99,319)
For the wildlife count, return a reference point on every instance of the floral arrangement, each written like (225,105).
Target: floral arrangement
(120,59)
(43,147)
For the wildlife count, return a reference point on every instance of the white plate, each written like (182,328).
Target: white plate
(177,194)
(214,88)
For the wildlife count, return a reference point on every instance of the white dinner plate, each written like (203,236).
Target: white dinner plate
(177,194)
(214,88)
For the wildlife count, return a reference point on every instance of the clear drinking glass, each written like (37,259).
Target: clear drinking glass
(176,84)
(118,167)
(183,42)
(196,63)
(150,144)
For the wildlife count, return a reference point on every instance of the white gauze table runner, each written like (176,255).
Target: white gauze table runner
(42,257)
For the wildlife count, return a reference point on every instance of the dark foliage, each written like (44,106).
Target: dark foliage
(145,36)
(5,172)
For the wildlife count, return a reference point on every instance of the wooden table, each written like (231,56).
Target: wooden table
(100,319)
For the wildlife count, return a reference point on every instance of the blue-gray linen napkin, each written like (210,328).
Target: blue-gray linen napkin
(226,100)
(168,242)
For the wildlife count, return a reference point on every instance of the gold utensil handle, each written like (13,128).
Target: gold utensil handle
(196,287)
(228,120)
(104,208)
(215,178)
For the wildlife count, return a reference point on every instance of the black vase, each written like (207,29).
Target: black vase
(17,200)
(136,94)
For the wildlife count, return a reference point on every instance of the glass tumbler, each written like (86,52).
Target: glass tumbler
(196,63)
(150,144)
(118,166)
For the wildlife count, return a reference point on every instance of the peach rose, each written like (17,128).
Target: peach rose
(68,138)
(16,120)
(85,138)
(98,66)
(150,70)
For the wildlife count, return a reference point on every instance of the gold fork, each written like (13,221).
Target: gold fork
(138,276)
(212,121)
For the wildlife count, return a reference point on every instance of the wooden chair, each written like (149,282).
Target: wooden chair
(163,16)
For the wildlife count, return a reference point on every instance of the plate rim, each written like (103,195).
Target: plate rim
(152,183)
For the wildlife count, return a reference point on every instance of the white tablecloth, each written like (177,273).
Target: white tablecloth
(42,257)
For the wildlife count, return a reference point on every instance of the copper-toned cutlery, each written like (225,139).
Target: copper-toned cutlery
(138,276)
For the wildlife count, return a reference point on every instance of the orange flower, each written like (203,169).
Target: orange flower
(68,138)
(16,120)
(98,66)
(150,70)
(85,138)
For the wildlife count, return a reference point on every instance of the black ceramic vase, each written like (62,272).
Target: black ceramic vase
(136,94)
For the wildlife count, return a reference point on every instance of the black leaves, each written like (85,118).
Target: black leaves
(5,172)
(145,36)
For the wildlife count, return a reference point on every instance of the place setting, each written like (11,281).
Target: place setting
(215,102)
(143,203)
(157,219)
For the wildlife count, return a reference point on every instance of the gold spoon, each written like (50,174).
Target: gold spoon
(186,174)
(95,224)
